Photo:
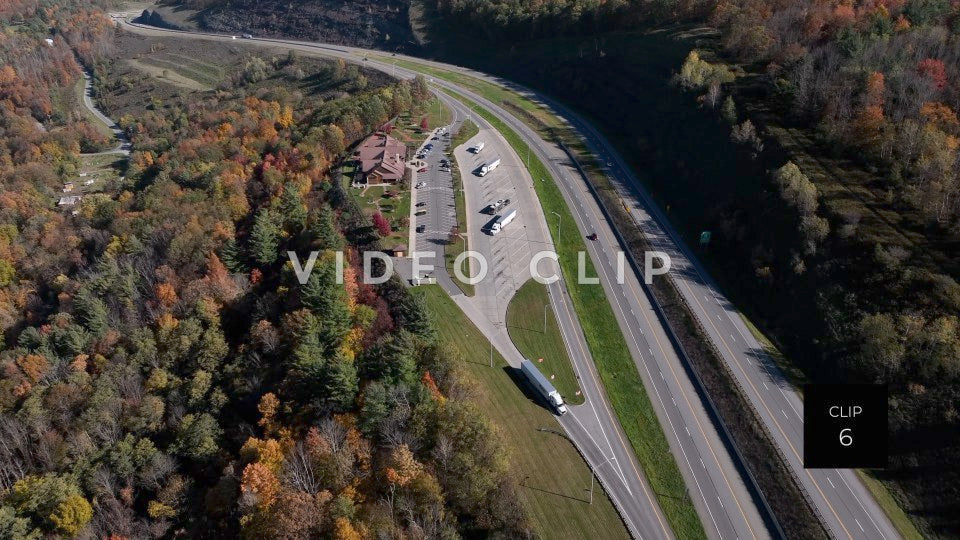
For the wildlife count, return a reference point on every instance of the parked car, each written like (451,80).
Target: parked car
(420,213)
(421,204)
(420,185)
(247,36)
(424,169)
(421,228)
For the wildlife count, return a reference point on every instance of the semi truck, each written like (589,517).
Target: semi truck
(478,147)
(543,386)
(487,167)
(502,221)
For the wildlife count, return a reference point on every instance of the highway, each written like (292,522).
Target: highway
(725,504)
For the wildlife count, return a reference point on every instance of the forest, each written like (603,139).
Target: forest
(826,164)
(162,370)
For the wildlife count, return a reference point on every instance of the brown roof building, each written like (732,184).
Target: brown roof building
(380,159)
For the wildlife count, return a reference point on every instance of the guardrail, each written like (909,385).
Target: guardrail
(699,383)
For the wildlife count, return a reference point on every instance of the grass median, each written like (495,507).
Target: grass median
(608,347)
(457,243)
(534,330)
(554,479)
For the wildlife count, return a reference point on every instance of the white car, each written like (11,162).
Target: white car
(420,185)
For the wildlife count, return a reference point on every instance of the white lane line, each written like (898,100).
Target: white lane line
(784,414)
(765,386)
(733,338)
(859,525)
(831,483)
(702,464)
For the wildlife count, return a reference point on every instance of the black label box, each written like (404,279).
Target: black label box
(845,426)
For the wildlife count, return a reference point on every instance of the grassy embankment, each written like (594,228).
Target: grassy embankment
(535,332)
(537,118)
(555,481)
(620,377)
(458,245)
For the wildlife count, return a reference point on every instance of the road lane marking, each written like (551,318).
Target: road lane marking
(831,483)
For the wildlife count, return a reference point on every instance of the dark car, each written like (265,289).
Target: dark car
(592,236)
(421,228)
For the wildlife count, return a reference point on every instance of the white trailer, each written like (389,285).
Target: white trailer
(478,147)
(502,221)
(542,386)
(487,167)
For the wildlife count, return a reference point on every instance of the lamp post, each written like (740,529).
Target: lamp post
(559,221)
(545,306)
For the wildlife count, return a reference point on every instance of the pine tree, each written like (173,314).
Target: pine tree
(323,230)
(293,210)
(265,238)
(340,383)
(92,311)
(231,255)
(328,301)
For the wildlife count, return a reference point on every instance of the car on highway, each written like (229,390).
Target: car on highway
(592,236)
(247,36)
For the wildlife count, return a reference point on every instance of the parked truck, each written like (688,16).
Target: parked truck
(543,386)
(502,221)
(487,167)
(478,147)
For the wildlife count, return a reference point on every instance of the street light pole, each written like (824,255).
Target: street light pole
(545,317)
(559,221)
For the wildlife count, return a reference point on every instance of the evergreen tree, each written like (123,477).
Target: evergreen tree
(323,230)
(341,383)
(232,257)
(293,210)
(328,301)
(92,311)
(265,238)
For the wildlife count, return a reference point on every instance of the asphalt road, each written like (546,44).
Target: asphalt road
(591,426)
(844,505)
(701,455)
(123,145)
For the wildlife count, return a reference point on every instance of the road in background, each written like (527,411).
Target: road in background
(703,458)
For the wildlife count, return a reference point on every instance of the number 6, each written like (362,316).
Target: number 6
(845,438)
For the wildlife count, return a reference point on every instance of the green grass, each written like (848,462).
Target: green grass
(525,324)
(884,498)
(617,370)
(554,479)
(394,209)
(450,251)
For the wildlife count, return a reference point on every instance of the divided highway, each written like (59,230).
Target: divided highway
(728,509)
